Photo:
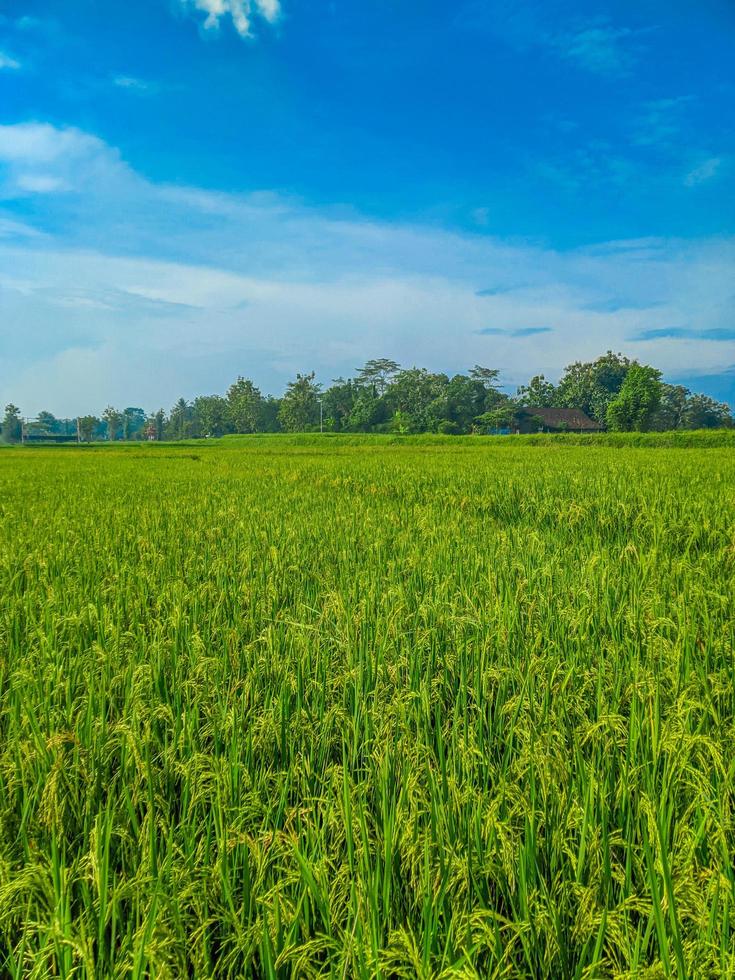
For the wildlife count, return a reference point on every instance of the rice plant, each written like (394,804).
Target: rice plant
(367,709)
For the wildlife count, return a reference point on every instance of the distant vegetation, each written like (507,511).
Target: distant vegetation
(437,709)
(617,393)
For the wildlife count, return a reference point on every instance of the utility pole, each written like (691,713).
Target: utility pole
(79,435)
(321,416)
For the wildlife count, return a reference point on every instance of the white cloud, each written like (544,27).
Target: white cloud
(599,48)
(704,172)
(39,158)
(592,43)
(7,62)
(240,11)
(43,143)
(661,121)
(132,84)
(28,23)
(270,9)
(40,183)
(17,229)
(140,292)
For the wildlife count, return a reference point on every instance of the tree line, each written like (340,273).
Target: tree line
(618,393)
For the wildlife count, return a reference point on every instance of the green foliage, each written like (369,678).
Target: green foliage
(213,416)
(368,411)
(680,409)
(12,428)
(47,423)
(634,408)
(419,396)
(422,707)
(593,385)
(244,408)
(133,423)
(299,409)
(383,398)
(505,416)
(540,393)
(703,412)
(488,377)
(672,409)
(158,424)
(269,409)
(466,398)
(88,426)
(377,374)
(338,402)
(113,422)
(180,421)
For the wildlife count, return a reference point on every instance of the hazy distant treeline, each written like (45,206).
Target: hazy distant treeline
(620,394)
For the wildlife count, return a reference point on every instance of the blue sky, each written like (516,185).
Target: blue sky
(195,189)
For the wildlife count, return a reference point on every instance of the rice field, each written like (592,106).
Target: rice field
(356,709)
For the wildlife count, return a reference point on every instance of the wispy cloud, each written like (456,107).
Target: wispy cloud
(27,23)
(613,305)
(514,332)
(598,47)
(147,291)
(132,84)
(529,331)
(705,171)
(37,183)
(661,121)
(39,159)
(687,333)
(7,62)
(240,12)
(595,163)
(594,44)
(9,228)
(494,290)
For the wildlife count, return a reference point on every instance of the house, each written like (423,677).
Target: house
(536,419)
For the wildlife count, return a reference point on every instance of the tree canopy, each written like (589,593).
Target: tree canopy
(613,390)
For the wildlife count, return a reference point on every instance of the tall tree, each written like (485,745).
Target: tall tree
(538,392)
(179,423)
(299,411)
(159,424)
(703,412)
(369,412)
(672,409)
(488,377)
(377,374)
(420,397)
(87,426)
(133,423)
(47,422)
(592,385)
(465,400)
(113,419)
(211,415)
(12,428)
(245,406)
(338,402)
(504,416)
(635,406)
(269,414)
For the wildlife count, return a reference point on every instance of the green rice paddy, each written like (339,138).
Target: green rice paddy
(361,708)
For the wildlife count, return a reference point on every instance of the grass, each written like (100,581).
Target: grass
(676,439)
(353,708)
